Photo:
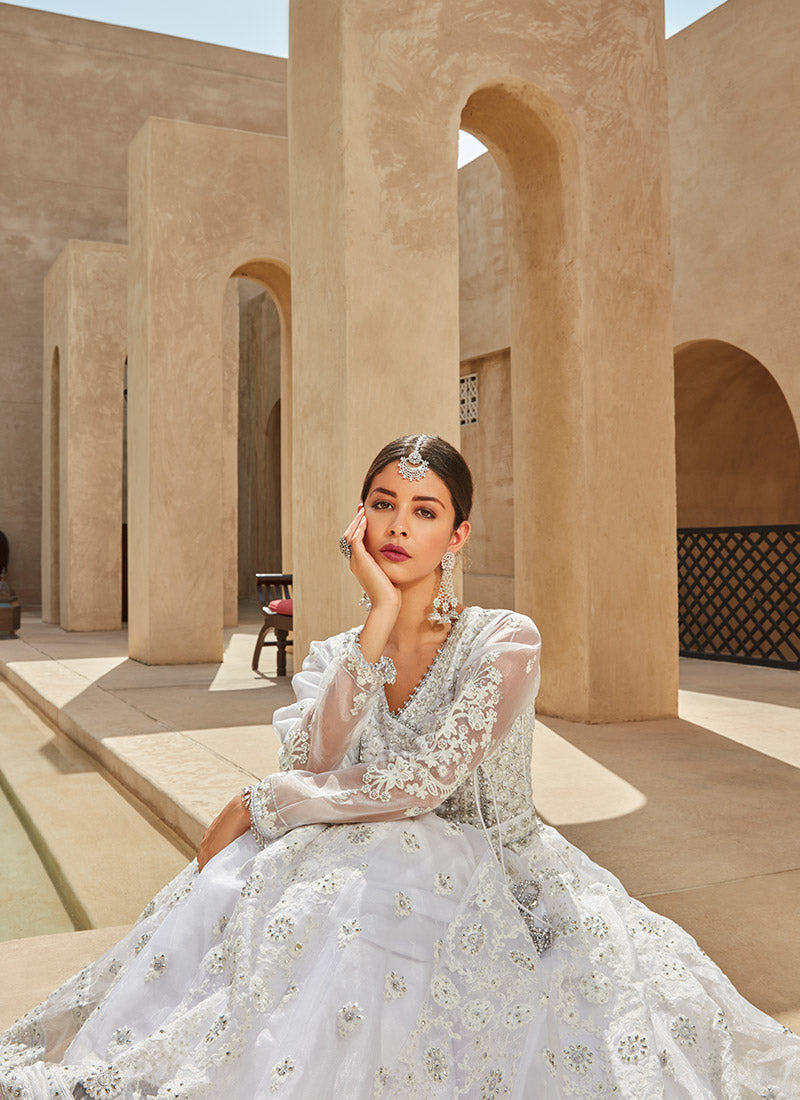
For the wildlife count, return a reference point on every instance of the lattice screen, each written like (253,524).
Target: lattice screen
(739,594)
(468,392)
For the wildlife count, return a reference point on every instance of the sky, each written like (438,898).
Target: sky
(262,25)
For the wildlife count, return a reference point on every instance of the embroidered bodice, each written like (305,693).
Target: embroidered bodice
(460,745)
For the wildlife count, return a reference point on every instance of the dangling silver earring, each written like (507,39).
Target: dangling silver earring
(446,601)
(365,601)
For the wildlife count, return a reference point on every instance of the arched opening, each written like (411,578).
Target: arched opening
(485,383)
(54,475)
(736,445)
(262,477)
(738,486)
(538,438)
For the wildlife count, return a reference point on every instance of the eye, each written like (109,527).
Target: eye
(381,504)
(426,513)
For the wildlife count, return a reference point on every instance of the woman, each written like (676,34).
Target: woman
(440,941)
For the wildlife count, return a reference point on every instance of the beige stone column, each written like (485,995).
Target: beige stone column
(374,276)
(202,201)
(574,110)
(230,460)
(86,320)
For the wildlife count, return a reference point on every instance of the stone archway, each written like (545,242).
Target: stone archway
(374,261)
(737,449)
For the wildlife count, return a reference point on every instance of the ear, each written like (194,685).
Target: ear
(459,536)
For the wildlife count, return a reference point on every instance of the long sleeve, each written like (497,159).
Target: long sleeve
(498,681)
(335,691)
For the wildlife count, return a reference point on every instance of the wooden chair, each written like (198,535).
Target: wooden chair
(269,587)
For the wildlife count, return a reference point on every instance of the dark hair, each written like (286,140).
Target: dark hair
(442,458)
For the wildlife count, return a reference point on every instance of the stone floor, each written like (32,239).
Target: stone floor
(697,815)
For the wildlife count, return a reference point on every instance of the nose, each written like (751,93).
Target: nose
(398,525)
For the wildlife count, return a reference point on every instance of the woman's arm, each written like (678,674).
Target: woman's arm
(336,691)
(498,681)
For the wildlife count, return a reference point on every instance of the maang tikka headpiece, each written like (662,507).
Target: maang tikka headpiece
(413,467)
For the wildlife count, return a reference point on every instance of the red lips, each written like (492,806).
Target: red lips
(394,552)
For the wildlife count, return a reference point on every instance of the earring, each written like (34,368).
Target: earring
(365,601)
(446,602)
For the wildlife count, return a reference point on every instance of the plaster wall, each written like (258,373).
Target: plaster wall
(735,150)
(204,204)
(488,449)
(85,318)
(570,98)
(74,94)
(485,320)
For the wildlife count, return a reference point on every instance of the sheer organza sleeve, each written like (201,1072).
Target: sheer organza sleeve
(335,690)
(498,681)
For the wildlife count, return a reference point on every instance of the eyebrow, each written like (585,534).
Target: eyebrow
(389,493)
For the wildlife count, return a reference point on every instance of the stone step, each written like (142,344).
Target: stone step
(105,853)
(32,968)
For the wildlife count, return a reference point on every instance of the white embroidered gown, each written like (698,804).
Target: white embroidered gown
(365,946)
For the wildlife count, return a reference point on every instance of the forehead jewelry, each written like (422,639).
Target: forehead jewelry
(413,467)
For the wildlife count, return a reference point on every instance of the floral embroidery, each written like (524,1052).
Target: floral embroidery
(519,958)
(348,932)
(280,929)
(103,1084)
(408,842)
(142,942)
(632,1048)
(358,703)
(281,1073)
(122,1036)
(348,1018)
(684,1031)
(493,1086)
(476,1014)
(518,1015)
(596,988)
(444,992)
(436,1064)
(156,968)
(473,939)
(578,1058)
(402,904)
(360,833)
(442,884)
(395,986)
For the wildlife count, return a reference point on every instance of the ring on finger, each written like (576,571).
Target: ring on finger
(344,547)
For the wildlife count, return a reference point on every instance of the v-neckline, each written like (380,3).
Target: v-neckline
(426,675)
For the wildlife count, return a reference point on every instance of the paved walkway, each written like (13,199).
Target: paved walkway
(697,815)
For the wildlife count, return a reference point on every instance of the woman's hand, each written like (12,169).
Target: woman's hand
(383,595)
(227,826)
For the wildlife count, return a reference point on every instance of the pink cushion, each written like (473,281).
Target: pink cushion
(281,607)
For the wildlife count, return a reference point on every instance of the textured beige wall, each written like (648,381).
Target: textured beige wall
(488,448)
(735,147)
(483,259)
(259,442)
(204,204)
(85,317)
(74,94)
(738,455)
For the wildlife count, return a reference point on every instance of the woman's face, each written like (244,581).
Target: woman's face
(410,524)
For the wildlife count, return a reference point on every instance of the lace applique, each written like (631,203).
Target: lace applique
(367,674)
(266,823)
